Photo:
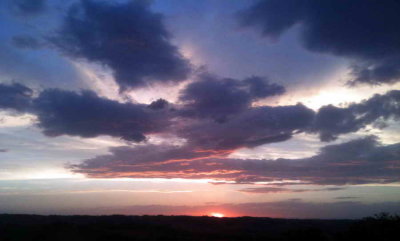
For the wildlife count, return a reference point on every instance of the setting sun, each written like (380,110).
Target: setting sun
(217,215)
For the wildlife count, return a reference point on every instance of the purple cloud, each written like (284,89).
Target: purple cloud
(375,49)
(127,37)
(358,161)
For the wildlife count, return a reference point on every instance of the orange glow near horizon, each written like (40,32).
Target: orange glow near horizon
(217,215)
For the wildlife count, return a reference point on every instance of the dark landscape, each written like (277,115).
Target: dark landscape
(118,227)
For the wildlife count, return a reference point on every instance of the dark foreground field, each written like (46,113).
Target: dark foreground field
(116,228)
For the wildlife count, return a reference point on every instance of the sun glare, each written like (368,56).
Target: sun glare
(217,215)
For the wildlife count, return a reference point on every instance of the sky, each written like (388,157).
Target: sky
(278,108)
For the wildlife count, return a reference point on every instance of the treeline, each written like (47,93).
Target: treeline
(380,227)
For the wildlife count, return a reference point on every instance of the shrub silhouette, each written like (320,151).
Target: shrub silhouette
(382,227)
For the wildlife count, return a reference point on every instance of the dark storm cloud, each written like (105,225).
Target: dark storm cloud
(15,97)
(84,114)
(252,127)
(332,121)
(365,31)
(28,7)
(218,98)
(158,104)
(26,42)
(355,162)
(127,37)
(87,115)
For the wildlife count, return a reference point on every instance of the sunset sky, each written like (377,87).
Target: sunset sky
(279,108)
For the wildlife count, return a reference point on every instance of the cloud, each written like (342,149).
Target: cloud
(158,104)
(366,31)
(26,42)
(346,197)
(127,37)
(28,7)
(205,153)
(146,160)
(228,121)
(254,126)
(358,161)
(85,114)
(219,98)
(15,97)
(288,190)
(332,121)
(251,127)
